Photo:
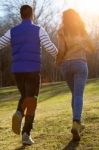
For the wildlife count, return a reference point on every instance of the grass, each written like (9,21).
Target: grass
(53,119)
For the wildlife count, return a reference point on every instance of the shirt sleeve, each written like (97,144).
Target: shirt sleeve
(46,43)
(5,39)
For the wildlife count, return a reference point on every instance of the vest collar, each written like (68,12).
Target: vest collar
(27,21)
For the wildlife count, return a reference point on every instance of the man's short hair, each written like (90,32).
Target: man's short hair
(26,12)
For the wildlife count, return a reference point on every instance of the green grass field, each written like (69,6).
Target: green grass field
(53,119)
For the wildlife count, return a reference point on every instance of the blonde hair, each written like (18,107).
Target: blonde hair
(72,24)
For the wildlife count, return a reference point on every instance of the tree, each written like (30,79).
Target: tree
(93,60)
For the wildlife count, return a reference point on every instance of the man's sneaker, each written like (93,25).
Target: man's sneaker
(16,122)
(76,130)
(26,139)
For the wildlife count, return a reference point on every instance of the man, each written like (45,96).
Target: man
(26,40)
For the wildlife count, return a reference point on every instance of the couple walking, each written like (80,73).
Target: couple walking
(26,40)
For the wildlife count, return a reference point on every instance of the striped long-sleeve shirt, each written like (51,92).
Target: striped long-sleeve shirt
(44,40)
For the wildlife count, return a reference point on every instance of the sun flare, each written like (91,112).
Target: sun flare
(90,6)
(87,6)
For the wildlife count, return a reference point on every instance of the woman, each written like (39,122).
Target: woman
(73,43)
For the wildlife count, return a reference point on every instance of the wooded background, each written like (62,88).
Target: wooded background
(47,14)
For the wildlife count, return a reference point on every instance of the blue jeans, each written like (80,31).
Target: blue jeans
(75,73)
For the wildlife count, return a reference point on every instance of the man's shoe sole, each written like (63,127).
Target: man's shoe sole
(16,124)
(27,144)
(76,135)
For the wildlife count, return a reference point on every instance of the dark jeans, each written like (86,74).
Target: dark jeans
(75,72)
(28,85)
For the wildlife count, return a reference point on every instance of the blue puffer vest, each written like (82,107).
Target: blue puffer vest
(26,50)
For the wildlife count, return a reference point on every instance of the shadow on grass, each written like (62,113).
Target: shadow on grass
(46,92)
(72,145)
(91,119)
(21,147)
(52,92)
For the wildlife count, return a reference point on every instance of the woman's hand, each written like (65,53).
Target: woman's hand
(58,59)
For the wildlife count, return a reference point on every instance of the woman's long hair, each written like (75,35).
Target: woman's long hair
(72,23)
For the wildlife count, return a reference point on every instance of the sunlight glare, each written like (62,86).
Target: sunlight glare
(89,6)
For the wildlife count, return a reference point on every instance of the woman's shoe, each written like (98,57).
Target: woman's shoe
(77,128)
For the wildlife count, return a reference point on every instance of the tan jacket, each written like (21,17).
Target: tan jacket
(71,48)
